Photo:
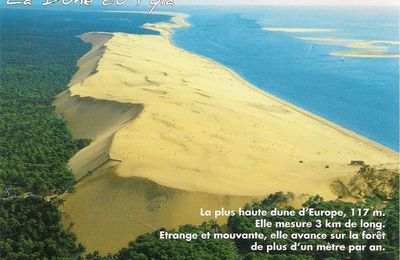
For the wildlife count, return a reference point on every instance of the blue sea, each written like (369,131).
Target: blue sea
(360,94)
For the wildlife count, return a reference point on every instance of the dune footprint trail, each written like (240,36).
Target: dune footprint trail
(174,132)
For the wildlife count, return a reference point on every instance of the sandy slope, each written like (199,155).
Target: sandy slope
(174,132)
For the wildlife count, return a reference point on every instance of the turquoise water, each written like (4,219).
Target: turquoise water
(360,94)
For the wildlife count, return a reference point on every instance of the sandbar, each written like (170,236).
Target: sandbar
(363,48)
(297,30)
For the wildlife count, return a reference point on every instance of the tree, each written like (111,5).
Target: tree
(30,228)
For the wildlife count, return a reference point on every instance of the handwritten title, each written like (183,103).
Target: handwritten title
(153,3)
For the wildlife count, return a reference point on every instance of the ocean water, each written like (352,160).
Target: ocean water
(360,94)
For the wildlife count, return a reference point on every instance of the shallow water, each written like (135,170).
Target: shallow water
(361,94)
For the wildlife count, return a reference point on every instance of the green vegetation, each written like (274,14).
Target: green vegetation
(370,181)
(35,143)
(30,228)
(39,50)
(149,246)
(241,224)
(38,56)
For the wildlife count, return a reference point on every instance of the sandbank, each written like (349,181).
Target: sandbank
(363,48)
(297,30)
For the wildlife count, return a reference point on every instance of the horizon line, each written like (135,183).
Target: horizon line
(379,4)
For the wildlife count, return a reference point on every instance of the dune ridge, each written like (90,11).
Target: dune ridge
(101,212)
(86,115)
(173,132)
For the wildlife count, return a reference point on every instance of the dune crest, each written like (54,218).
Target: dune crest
(89,117)
(174,132)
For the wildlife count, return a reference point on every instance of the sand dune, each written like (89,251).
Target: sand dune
(91,118)
(173,132)
(97,120)
(108,211)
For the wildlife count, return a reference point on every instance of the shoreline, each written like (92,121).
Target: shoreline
(168,139)
(345,131)
(166,31)
(340,128)
(322,120)
(178,20)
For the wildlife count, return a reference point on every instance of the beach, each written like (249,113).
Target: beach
(173,132)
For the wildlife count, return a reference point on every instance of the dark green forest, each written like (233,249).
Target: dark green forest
(31,229)
(240,224)
(35,143)
(149,246)
(39,50)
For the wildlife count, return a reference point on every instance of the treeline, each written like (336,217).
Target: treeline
(390,220)
(39,50)
(149,246)
(35,143)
